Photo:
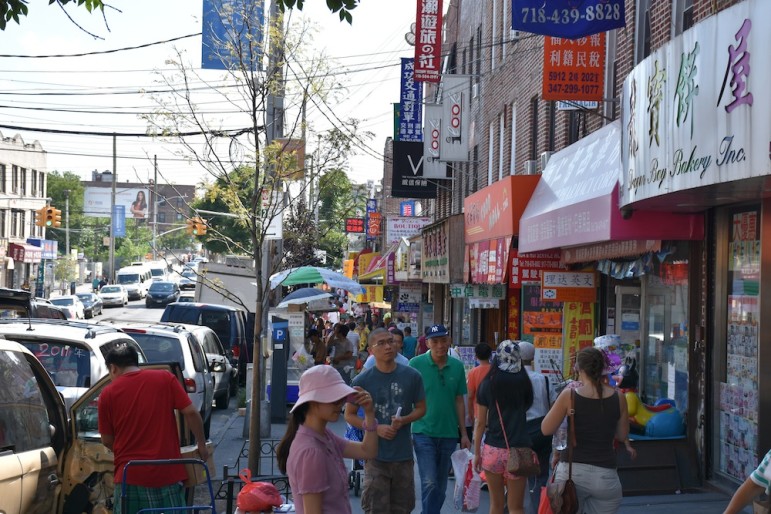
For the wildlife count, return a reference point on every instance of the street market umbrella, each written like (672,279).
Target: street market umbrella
(315,275)
(303,295)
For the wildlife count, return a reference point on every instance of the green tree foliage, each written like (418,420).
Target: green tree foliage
(336,202)
(14,9)
(342,7)
(134,246)
(300,236)
(59,183)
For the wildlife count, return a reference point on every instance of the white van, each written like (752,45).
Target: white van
(159,270)
(136,279)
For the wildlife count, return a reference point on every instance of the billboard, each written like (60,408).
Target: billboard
(96,201)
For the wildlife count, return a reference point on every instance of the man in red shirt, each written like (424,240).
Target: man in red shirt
(137,422)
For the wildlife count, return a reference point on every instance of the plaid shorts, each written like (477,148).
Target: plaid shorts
(139,497)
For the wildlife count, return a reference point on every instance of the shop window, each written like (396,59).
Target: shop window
(513,163)
(552,123)
(534,128)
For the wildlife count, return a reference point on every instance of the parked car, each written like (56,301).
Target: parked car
(114,295)
(162,293)
(72,306)
(175,343)
(227,322)
(92,304)
(224,374)
(186,298)
(18,303)
(51,457)
(71,351)
(187,279)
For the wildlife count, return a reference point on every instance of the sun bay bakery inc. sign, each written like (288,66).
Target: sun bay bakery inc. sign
(695,111)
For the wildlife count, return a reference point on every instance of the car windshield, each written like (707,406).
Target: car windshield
(85,297)
(157,272)
(128,279)
(188,274)
(62,301)
(159,348)
(111,289)
(68,365)
(161,287)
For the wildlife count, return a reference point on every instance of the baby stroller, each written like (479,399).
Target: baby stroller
(357,468)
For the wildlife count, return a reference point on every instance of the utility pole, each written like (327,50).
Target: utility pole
(67,221)
(112,207)
(155,208)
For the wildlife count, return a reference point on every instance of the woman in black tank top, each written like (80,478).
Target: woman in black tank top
(601,418)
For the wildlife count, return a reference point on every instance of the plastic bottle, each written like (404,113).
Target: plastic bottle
(560,438)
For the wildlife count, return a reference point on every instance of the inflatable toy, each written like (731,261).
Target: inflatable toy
(661,420)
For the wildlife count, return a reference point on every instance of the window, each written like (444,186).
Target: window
(490,153)
(534,128)
(14,178)
(475,175)
(513,163)
(642,30)
(576,126)
(552,121)
(501,132)
(161,217)
(23,415)
(2,178)
(3,228)
(14,223)
(22,223)
(504,24)
(682,13)
(465,60)
(23,180)
(493,42)
(42,184)
(33,178)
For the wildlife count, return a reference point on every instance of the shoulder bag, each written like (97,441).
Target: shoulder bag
(523,462)
(562,495)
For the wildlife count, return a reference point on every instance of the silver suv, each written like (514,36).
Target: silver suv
(225,376)
(175,343)
(71,351)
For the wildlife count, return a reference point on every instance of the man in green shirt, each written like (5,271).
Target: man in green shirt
(435,435)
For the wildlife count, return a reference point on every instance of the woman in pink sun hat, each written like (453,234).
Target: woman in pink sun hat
(312,455)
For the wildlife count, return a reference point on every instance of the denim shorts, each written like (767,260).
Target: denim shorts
(496,460)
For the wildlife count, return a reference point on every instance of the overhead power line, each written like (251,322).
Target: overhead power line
(100,52)
(224,132)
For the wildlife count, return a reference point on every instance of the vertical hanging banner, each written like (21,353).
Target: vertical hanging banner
(119,221)
(455,118)
(410,105)
(371,209)
(408,180)
(428,41)
(432,143)
(574,69)
(567,18)
(232,29)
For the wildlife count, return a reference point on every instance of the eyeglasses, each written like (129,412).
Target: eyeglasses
(389,342)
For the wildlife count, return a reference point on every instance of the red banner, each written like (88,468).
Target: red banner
(373,229)
(574,69)
(428,41)
(527,267)
(354,225)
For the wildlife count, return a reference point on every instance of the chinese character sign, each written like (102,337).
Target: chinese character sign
(574,69)
(411,104)
(694,111)
(428,41)
(354,225)
(567,18)
(408,180)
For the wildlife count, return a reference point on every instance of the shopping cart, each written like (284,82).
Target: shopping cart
(168,462)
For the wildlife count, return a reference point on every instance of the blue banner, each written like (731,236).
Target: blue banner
(119,221)
(371,207)
(410,104)
(567,18)
(231,23)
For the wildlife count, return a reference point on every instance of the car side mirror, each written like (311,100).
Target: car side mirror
(52,430)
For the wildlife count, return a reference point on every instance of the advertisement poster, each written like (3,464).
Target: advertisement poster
(578,330)
(574,69)
(542,326)
(97,200)
(739,393)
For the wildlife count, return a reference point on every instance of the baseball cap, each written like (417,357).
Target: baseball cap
(508,357)
(526,350)
(437,331)
(322,384)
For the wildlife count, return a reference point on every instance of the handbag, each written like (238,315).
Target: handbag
(562,495)
(523,462)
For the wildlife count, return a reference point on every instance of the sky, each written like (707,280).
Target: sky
(107,93)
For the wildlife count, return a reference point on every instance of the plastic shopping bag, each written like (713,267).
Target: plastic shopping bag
(467,482)
(257,496)
(302,359)
(544,507)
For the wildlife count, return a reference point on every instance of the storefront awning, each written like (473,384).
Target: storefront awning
(576,201)
(380,268)
(23,252)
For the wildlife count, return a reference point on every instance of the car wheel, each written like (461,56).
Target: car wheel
(222,401)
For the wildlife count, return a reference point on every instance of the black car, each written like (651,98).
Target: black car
(162,293)
(92,304)
(19,303)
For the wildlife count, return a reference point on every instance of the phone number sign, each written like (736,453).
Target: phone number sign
(567,18)
(574,69)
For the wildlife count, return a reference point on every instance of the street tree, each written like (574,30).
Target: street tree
(62,185)
(300,236)
(15,9)
(252,174)
(342,7)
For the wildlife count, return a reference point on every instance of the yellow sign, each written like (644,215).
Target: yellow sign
(365,259)
(348,268)
(578,330)
(372,293)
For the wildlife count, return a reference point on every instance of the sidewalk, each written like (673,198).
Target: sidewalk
(229,441)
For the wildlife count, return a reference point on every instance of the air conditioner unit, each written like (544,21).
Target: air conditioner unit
(531,167)
(515,35)
(474,90)
(545,156)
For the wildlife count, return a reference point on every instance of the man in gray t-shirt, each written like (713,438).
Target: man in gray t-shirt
(389,484)
(340,351)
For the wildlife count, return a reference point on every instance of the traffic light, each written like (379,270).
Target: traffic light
(40,217)
(50,216)
(190,226)
(199,227)
(57,218)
